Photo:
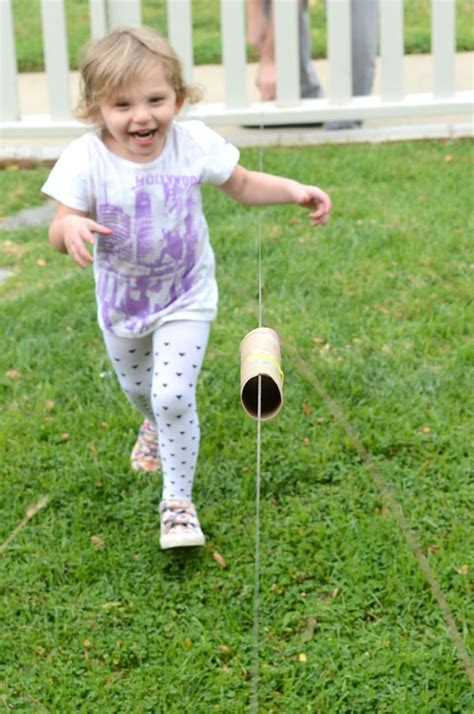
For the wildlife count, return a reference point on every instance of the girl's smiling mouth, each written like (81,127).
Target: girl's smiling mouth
(144,136)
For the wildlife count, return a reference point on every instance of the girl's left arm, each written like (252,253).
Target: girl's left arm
(254,188)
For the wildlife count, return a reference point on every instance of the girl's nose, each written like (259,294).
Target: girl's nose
(141,114)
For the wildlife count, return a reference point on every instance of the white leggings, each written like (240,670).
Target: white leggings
(158,373)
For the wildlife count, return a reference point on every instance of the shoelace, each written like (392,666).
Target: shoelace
(179,517)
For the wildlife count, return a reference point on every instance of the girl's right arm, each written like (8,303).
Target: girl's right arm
(70,230)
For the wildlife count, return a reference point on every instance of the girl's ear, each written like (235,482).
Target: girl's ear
(95,116)
(87,112)
(180,97)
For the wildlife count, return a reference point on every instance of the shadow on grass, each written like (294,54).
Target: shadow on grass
(180,564)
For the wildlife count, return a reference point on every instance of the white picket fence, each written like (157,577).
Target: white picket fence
(237,108)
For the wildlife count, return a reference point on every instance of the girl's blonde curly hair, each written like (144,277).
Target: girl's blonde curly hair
(121,57)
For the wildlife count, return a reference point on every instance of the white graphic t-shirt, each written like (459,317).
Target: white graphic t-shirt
(158,264)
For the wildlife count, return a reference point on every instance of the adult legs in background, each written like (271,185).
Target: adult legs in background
(364,47)
(364,14)
(261,33)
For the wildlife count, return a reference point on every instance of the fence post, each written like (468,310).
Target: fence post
(56,58)
(9,108)
(180,34)
(339,50)
(124,12)
(98,20)
(443,46)
(233,52)
(287,53)
(391,40)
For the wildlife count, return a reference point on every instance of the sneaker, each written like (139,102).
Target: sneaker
(179,525)
(145,452)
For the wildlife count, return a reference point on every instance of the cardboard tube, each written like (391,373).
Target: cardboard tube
(260,356)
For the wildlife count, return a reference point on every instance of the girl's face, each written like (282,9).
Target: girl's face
(136,119)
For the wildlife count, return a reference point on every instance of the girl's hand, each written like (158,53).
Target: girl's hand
(77,231)
(70,232)
(314,197)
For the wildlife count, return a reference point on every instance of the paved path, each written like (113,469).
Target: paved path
(36,216)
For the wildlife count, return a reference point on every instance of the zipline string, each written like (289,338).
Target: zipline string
(261,393)
(256,593)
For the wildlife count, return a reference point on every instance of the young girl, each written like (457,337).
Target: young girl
(131,188)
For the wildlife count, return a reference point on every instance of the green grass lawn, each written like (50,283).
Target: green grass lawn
(206,28)
(378,304)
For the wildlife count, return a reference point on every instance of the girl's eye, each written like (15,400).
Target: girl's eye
(156,100)
(121,105)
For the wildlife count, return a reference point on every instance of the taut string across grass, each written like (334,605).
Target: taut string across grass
(394,506)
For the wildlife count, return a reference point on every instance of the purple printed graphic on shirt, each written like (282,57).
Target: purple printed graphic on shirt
(139,272)
(119,243)
(143,226)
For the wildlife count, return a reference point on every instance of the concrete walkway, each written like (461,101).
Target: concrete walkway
(33,94)
(32,217)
